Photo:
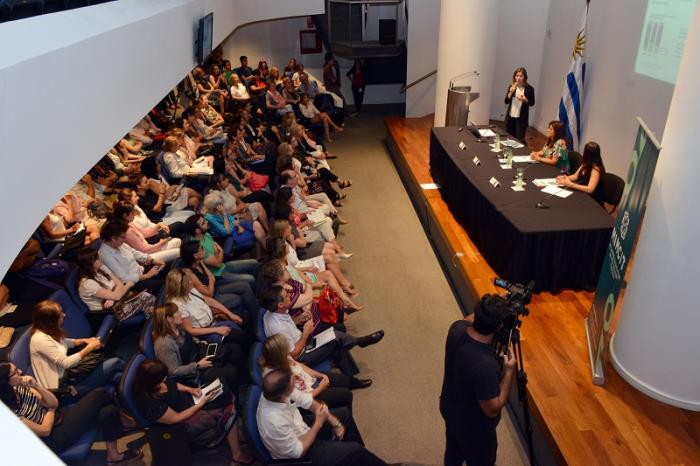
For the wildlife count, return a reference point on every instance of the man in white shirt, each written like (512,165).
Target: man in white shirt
(331,439)
(125,262)
(278,321)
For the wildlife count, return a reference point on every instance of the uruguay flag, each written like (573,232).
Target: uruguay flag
(572,95)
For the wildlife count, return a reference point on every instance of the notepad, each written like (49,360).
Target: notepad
(557,191)
(542,182)
(321,339)
(486,133)
(215,387)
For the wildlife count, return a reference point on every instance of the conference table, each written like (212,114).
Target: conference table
(562,246)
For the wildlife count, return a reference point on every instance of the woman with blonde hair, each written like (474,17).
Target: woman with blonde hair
(331,388)
(186,356)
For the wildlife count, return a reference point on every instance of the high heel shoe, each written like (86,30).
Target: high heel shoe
(344,255)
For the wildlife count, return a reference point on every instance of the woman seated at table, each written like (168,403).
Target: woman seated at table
(554,151)
(160,399)
(61,428)
(590,176)
(332,388)
(185,355)
(48,349)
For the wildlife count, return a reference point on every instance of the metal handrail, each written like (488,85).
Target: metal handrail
(403,89)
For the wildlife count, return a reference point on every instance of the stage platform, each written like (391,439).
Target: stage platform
(575,422)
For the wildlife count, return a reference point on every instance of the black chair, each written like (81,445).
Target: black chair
(612,190)
(575,160)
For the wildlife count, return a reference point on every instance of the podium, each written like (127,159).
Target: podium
(458,100)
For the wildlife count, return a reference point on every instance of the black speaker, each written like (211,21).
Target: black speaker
(387,31)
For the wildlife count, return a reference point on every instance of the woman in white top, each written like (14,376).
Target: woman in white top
(166,249)
(238,90)
(97,286)
(331,388)
(309,110)
(199,312)
(49,353)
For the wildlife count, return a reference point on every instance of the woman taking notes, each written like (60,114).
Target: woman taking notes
(519,98)
(554,151)
(590,175)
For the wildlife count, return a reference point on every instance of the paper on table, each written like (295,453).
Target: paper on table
(557,191)
(322,338)
(486,133)
(523,159)
(512,143)
(542,182)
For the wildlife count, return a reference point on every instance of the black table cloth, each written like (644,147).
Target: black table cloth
(559,247)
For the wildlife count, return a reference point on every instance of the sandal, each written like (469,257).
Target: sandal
(127,457)
(338,203)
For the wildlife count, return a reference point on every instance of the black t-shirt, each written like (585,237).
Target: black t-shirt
(153,409)
(471,374)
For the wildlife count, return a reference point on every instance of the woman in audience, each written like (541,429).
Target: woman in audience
(185,355)
(274,79)
(242,234)
(179,167)
(264,71)
(216,79)
(234,205)
(49,354)
(166,249)
(520,96)
(258,88)
(331,388)
(309,110)
(239,92)
(288,92)
(160,399)
(590,176)
(198,310)
(177,198)
(232,294)
(100,290)
(291,68)
(172,224)
(61,428)
(554,151)
(274,101)
(205,88)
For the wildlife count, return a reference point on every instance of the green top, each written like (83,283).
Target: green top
(209,246)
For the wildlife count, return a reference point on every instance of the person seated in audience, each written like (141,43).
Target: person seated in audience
(211,117)
(258,88)
(332,438)
(313,175)
(554,151)
(185,356)
(103,179)
(232,294)
(166,249)
(590,176)
(55,229)
(228,71)
(239,92)
(289,92)
(297,73)
(244,71)
(331,388)
(274,78)
(309,146)
(291,68)
(178,198)
(198,311)
(177,164)
(130,147)
(239,234)
(239,270)
(216,78)
(254,211)
(97,286)
(309,110)
(264,70)
(61,428)
(126,263)
(16,290)
(277,320)
(145,199)
(48,349)
(210,133)
(274,101)
(146,131)
(160,399)
(204,87)
(308,87)
(124,162)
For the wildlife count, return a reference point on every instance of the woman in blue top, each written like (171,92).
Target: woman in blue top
(239,234)
(555,151)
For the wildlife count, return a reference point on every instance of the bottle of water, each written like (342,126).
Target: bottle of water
(497,144)
(509,157)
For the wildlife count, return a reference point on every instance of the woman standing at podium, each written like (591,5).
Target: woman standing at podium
(519,98)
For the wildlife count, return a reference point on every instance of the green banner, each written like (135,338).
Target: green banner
(630,214)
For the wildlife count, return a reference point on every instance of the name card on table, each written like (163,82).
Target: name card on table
(476,161)
(462,145)
(494,182)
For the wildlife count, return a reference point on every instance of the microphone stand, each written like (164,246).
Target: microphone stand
(463,75)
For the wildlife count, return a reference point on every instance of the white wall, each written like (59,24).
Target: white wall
(72,83)
(422,39)
(522,28)
(614,93)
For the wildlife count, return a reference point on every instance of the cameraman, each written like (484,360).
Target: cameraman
(474,388)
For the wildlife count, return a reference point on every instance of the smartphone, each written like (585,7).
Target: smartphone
(211,349)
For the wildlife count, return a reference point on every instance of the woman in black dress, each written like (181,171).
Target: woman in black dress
(590,176)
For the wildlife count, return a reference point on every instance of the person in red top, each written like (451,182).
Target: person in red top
(357,76)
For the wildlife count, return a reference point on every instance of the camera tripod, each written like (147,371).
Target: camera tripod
(513,341)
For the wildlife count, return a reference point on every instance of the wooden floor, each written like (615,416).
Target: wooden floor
(586,424)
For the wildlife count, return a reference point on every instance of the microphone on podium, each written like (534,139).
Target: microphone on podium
(541,204)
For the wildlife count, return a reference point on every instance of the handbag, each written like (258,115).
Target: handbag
(256,181)
(75,374)
(133,302)
(328,304)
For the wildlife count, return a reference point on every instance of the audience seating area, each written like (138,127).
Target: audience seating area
(218,208)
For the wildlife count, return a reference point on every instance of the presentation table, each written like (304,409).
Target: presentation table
(562,246)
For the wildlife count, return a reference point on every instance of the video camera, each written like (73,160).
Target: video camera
(517,296)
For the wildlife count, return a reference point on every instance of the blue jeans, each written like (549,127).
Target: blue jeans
(107,372)
(215,337)
(244,270)
(233,295)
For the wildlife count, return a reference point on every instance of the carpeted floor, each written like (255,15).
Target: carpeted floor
(404,292)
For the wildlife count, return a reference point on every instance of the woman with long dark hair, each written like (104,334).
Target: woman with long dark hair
(554,151)
(590,176)
(520,96)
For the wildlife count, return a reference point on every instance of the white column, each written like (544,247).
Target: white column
(467,42)
(657,343)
